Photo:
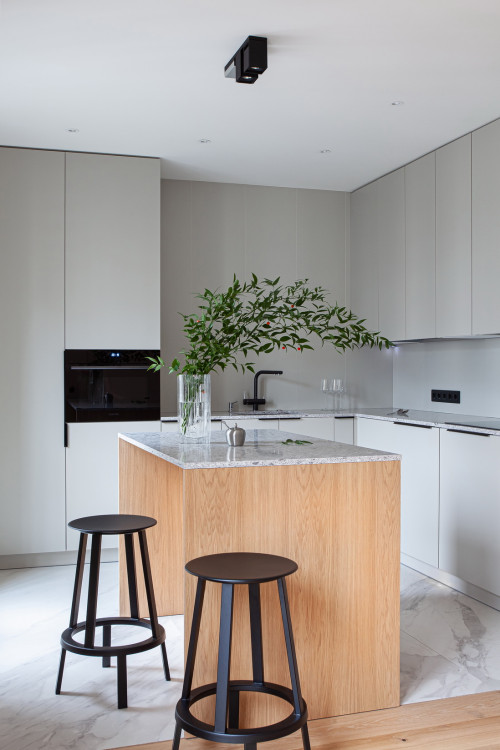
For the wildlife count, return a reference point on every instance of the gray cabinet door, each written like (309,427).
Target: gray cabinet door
(364,256)
(420,224)
(470,508)
(391,255)
(32,344)
(112,252)
(453,238)
(486,229)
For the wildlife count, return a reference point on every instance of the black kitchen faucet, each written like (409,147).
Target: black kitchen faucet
(255,401)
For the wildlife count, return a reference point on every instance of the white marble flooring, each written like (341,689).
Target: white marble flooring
(450,645)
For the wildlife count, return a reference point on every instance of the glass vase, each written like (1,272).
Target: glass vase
(193,407)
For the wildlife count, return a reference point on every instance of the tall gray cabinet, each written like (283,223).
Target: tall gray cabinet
(79,268)
(32,497)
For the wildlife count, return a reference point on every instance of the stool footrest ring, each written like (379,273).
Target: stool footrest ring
(234,735)
(70,644)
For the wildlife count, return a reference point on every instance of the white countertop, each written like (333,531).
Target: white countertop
(262,448)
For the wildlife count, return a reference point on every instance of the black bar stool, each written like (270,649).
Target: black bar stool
(97,526)
(231,569)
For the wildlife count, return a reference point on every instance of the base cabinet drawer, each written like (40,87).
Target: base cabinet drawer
(469,545)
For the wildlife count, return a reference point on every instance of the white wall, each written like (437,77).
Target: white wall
(469,366)
(211,231)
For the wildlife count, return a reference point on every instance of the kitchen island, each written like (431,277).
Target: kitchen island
(331,507)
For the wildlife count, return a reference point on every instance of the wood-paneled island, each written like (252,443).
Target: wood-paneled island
(331,507)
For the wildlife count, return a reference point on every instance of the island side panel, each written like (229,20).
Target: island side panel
(150,486)
(340,522)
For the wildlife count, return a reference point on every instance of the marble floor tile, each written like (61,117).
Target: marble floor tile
(450,645)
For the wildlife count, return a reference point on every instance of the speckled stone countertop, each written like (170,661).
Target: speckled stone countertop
(262,448)
(445,420)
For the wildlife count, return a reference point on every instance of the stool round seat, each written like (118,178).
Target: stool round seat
(113,523)
(241,567)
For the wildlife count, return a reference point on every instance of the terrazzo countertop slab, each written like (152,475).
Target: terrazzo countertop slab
(445,420)
(218,416)
(262,448)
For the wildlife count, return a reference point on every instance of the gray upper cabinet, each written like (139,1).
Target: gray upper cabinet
(112,252)
(391,255)
(486,229)
(32,342)
(378,255)
(453,238)
(420,228)
(364,255)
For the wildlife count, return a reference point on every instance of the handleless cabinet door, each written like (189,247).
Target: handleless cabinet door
(32,344)
(470,508)
(391,254)
(486,229)
(419,449)
(112,252)
(364,255)
(420,213)
(92,471)
(453,238)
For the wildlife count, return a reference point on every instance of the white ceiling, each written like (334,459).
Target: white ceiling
(146,77)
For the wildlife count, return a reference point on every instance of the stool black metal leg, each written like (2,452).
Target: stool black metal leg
(131,576)
(77,590)
(256,632)
(193,639)
(233,714)
(75,603)
(251,746)
(122,680)
(224,660)
(95,559)
(166,669)
(290,646)
(106,641)
(177,736)
(148,583)
(305,738)
(61,670)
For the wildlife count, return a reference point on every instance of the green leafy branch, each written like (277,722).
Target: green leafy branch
(296,442)
(260,316)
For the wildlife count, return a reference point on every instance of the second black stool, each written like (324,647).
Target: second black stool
(231,569)
(97,526)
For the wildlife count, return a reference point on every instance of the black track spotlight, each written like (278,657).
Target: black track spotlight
(249,61)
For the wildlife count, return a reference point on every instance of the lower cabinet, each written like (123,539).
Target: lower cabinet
(92,471)
(419,448)
(469,545)
(320,427)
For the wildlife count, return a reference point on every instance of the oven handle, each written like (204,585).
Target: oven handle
(109,367)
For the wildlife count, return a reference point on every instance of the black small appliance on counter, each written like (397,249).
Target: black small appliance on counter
(104,385)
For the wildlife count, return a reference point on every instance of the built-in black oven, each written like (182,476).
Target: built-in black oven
(110,385)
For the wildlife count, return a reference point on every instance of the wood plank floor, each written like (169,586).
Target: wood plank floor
(470,722)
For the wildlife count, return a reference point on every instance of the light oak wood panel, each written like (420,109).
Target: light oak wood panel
(152,487)
(470,722)
(340,522)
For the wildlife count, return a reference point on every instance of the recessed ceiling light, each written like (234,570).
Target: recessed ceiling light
(72,130)
(397,103)
(326,151)
(205,140)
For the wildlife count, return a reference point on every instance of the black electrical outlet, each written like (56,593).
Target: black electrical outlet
(450,397)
